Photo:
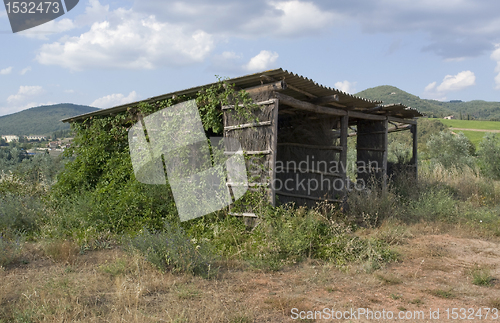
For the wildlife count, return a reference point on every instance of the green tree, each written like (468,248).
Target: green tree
(451,149)
(489,156)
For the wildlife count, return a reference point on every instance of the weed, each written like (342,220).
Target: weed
(116,268)
(61,251)
(171,249)
(416,301)
(188,293)
(395,296)
(10,249)
(494,303)
(481,276)
(389,279)
(441,293)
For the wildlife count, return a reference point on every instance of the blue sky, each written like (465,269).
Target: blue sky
(106,53)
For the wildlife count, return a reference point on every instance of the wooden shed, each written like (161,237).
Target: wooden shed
(297,147)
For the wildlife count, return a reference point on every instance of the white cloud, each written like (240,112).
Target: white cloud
(263,61)
(113,100)
(455,29)
(298,17)
(288,18)
(6,71)
(24,93)
(457,82)
(69,91)
(130,41)
(496,57)
(94,12)
(294,18)
(25,70)
(346,86)
(451,83)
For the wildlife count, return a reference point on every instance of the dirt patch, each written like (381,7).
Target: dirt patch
(478,130)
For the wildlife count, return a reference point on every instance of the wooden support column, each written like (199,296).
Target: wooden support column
(386,150)
(344,129)
(274,149)
(414,159)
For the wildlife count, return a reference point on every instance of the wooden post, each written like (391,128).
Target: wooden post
(414,159)
(344,129)
(386,144)
(274,149)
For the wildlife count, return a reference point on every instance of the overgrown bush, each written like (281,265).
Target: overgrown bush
(10,248)
(172,249)
(21,204)
(451,150)
(287,235)
(489,156)
(369,208)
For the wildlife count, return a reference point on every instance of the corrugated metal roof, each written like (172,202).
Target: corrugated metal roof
(299,87)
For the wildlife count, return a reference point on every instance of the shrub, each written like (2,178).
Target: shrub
(21,204)
(172,249)
(287,235)
(451,150)
(489,156)
(10,248)
(369,208)
(481,276)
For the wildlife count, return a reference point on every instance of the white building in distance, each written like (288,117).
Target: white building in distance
(10,138)
(36,138)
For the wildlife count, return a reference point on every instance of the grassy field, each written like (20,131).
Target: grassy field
(475,135)
(472,124)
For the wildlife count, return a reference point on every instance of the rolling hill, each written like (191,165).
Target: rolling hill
(480,110)
(43,120)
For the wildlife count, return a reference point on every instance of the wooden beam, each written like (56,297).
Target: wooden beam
(371,149)
(276,86)
(310,146)
(259,152)
(366,116)
(306,197)
(394,129)
(267,102)
(325,99)
(309,171)
(405,121)
(306,106)
(309,95)
(248,125)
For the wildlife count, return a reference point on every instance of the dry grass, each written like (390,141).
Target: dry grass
(56,284)
(64,251)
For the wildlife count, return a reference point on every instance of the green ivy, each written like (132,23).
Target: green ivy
(101,170)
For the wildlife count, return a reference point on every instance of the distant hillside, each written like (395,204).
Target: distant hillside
(43,120)
(481,110)
(390,94)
